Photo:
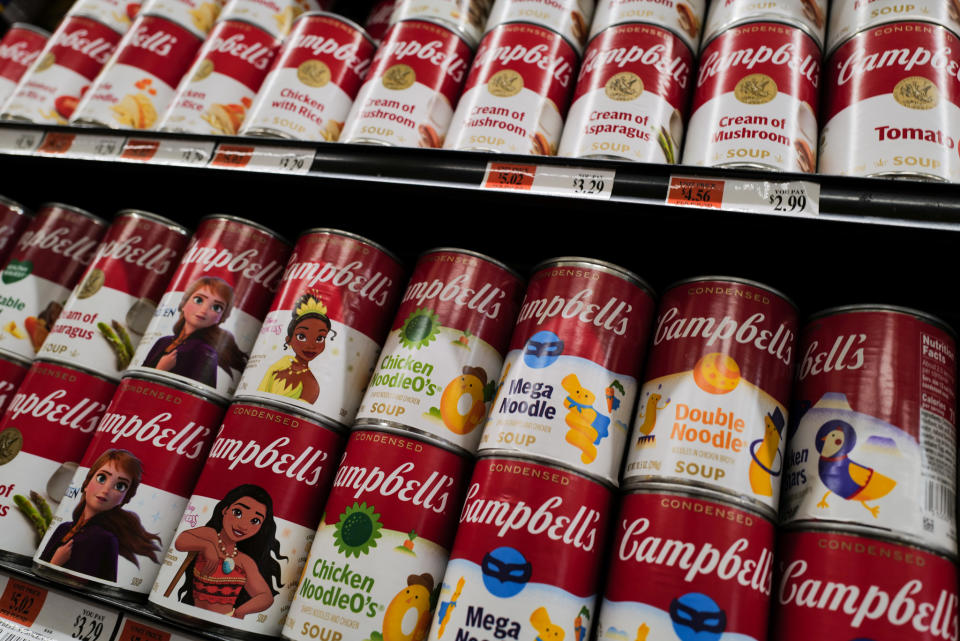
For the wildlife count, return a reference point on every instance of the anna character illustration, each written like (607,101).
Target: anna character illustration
(307,334)
(232,564)
(198,344)
(101,531)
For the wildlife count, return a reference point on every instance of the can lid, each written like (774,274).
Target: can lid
(467,40)
(348,234)
(289,410)
(896,309)
(469,252)
(337,17)
(174,384)
(401,430)
(534,459)
(733,279)
(163,220)
(737,502)
(77,368)
(754,20)
(647,25)
(30,27)
(577,49)
(617,270)
(15,206)
(247,222)
(76,210)
(861,531)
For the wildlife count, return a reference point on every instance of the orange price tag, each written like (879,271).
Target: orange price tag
(502,175)
(21,602)
(695,192)
(136,631)
(234,156)
(56,143)
(139,149)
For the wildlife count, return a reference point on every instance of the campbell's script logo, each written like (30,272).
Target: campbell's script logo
(303,464)
(19,52)
(353,276)
(433,52)
(158,42)
(184,440)
(611,315)
(844,353)
(347,53)
(96,48)
(656,56)
(779,343)
(430,494)
(253,53)
(83,415)
(156,258)
(485,301)
(208,258)
(785,55)
(862,61)
(537,56)
(60,241)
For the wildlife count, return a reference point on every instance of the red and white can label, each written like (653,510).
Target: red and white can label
(116,14)
(570,18)
(132,485)
(198,16)
(19,49)
(876,445)
(273,16)
(210,315)
(48,259)
(14,220)
(266,461)
(414,81)
(437,372)
(378,20)
(839,586)
(12,372)
(466,17)
(713,406)
(569,383)
(113,303)
(311,87)
(216,92)
(72,58)
(320,341)
(139,81)
(383,542)
(809,15)
(43,436)
(755,102)
(527,557)
(517,93)
(707,568)
(631,96)
(849,18)
(684,18)
(893,104)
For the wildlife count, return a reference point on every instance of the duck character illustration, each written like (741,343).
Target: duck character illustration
(764,454)
(587,426)
(416,596)
(546,630)
(849,480)
(647,414)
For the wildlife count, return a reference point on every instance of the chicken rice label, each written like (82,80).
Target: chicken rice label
(685,18)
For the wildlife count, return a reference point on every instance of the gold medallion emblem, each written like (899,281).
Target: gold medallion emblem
(11,440)
(45,63)
(204,70)
(399,77)
(756,89)
(313,73)
(505,83)
(916,92)
(624,86)
(93,283)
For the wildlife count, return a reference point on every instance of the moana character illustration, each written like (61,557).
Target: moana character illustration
(307,334)
(101,531)
(198,345)
(232,565)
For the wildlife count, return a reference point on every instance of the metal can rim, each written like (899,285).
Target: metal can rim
(15,206)
(725,29)
(82,14)
(351,235)
(335,16)
(578,50)
(732,279)
(698,493)
(828,53)
(249,23)
(871,307)
(141,375)
(157,218)
(862,531)
(76,210)
(467,40)
(29,27)
(693,53)
(247,222)
(475,254)
(612,268)
(412,433)
(325,423)
(485,455)
(77,368)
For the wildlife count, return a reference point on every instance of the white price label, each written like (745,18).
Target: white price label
(185,153)
(555,181)
(35,613)
(798,198)
(92,147)
(292,160)
(19,141)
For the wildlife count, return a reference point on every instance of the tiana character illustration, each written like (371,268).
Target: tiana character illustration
(233,562)
(198,344)
(101,531)
(307,334)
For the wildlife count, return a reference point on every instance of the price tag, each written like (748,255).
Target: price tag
(797,198)
(133,630)
(501,175)
(695,192)
(185,153)
(292,160)
(554,181)
(93,147)
(19,141)
(21,602)
(54,617)
(55,143)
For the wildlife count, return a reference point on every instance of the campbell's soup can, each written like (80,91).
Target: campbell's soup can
(528,554)
(683,17)
(49,258)
(843,585)
(198,16)
(468,18)
(413,83)
(14,219)
(261,492)
(123,504)
(43,436)
(631,96)
(53,86)
(516,96)
(438,369)
(329,319)
(12,372)
(849,18)
(378,20)
(875,445)
(210,314)
(570,18)
(217,90)
(116,14)
(389,522)
(808,15)
(19,49)
(274,16)
(313,82)
(686,566)
(891,104)
(713,406)
(569,383)
(113,303)
(138,83)
(755,101)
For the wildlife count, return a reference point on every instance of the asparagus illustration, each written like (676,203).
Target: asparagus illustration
(31,512)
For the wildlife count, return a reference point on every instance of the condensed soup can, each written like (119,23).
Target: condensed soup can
(210,315)
(313,82)
(438,369)
(274,16)
(108,311)
(466,17)
(326,326)
(849,18)
(261,492)
(414,81)
(19,49)
(49,258)
(43,435)
(516,96)
(684,18)
(14,219)
(808,15)
(891,104)
(116,14)
(691,566)
(378,20)
(755,102)
(842,585)
(875,445)
(198,16)
(569,383)
(139,81)
(73,56)
(12,372)
(388,525)
(570,18)
(217,90)
(713,406)
(528,554)
(126,498)
(631,96)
